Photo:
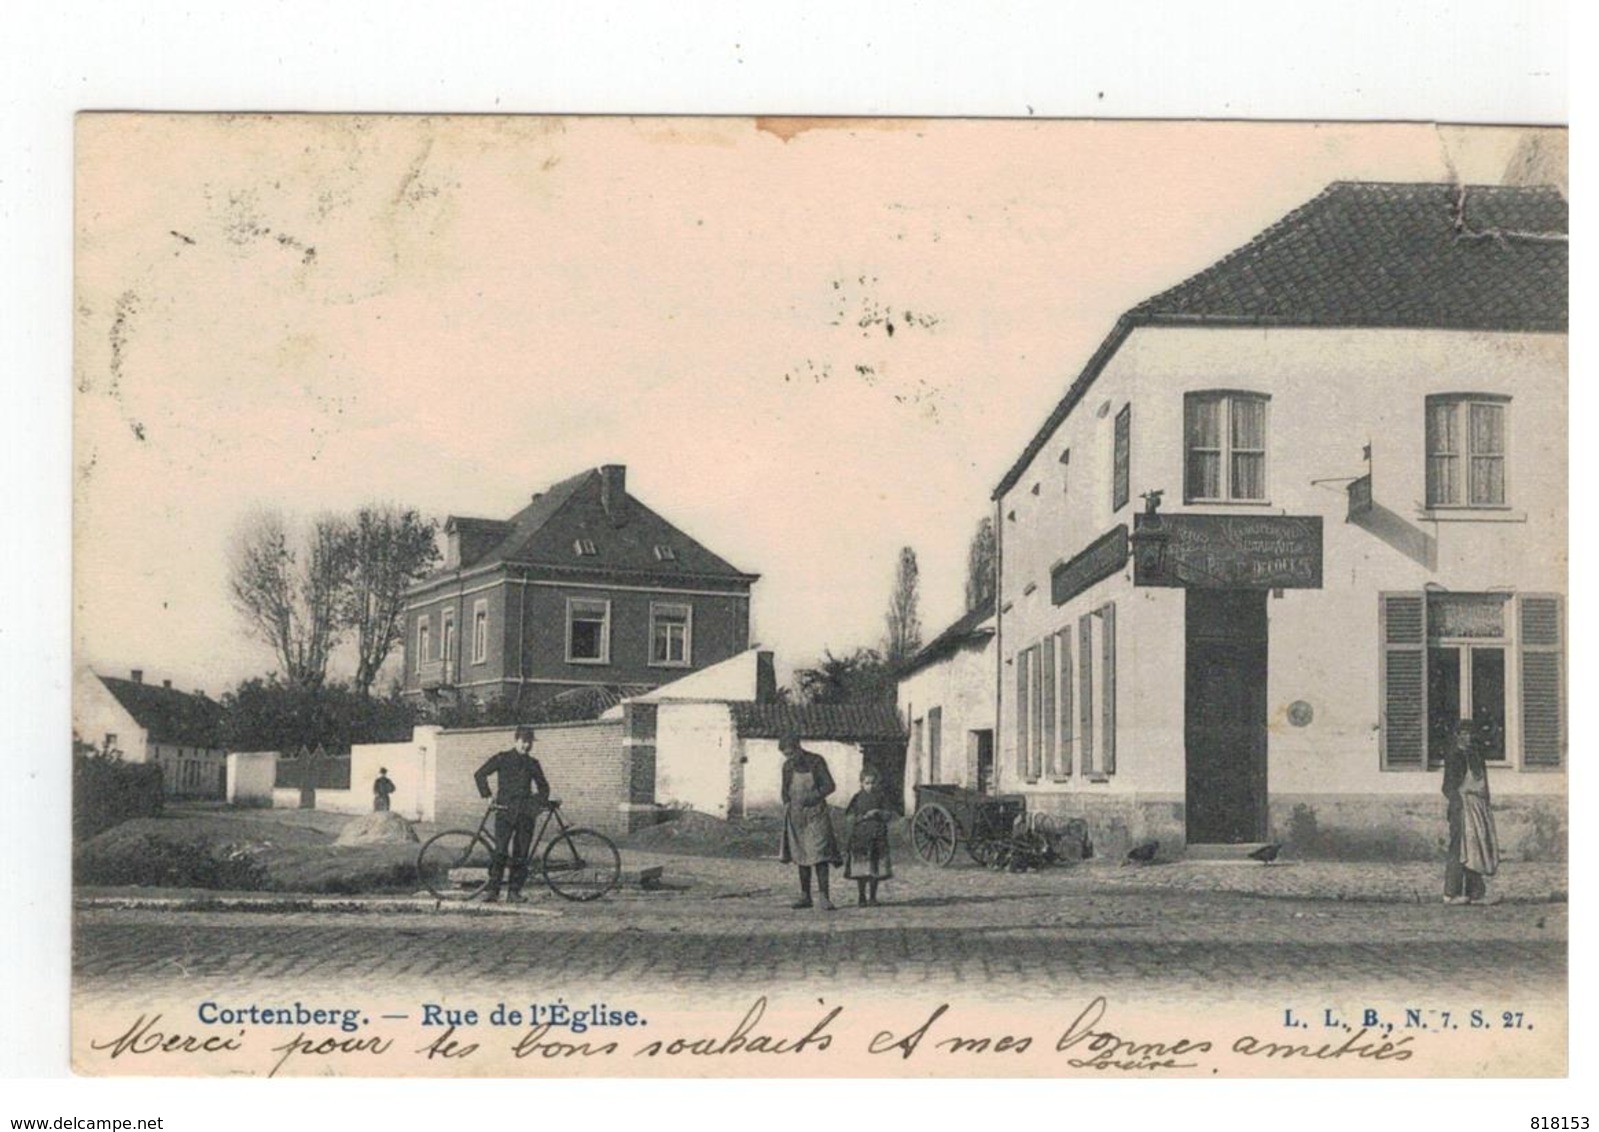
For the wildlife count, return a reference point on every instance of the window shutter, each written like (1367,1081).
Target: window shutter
(1403,625)
(1021,714)
(1543,716)
(1048,705)
(1107,744)
(1063,765)
(1085,690)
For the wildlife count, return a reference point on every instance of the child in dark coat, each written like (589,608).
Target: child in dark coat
(868,815)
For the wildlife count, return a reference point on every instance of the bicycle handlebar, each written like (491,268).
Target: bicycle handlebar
(551,803)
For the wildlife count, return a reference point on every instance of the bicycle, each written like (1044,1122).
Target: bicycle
(578,864)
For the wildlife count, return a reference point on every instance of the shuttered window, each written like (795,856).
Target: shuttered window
(1063,647)
(1403,679)
(1543,716)
(1107,743)
(1035,730)
(1047,706)
(1085,690)
(1121,460)
(1023,711)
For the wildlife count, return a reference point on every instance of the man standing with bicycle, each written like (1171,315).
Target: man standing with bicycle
(521,791)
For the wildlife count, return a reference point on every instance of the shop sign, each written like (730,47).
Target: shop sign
(1102,558)
(1229,551)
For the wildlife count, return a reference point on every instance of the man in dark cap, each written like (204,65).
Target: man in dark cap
(521,791)
(382,787)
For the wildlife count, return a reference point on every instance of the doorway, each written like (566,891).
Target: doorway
(980,746)
(1225,717)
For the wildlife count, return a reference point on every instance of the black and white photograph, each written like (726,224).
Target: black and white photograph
(841,596)
(753,565)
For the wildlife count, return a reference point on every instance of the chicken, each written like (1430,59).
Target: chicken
(1142,853)
(1266,854)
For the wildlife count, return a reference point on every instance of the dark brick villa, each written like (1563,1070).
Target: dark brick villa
(584,588)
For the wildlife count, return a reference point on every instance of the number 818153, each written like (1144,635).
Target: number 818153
(1559,1123)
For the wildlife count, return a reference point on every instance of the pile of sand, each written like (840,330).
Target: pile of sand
(376,829)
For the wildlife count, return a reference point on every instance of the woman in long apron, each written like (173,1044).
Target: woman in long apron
(808,839)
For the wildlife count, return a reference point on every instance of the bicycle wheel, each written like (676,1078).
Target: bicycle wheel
(581,864)
(454,865)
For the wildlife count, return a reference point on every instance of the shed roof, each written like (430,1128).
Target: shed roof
(857,722)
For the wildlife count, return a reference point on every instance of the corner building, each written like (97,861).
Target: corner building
(1298,519)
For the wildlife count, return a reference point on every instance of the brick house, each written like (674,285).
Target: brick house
(154,723)
(584,588)
(1350,438)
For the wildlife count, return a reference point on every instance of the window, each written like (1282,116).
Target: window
(1024,716)
(480,631)
(935,742)
(1035,728)
(447,636)
(664,553)
(1225,445)
(1121,460)
(584,548)
(424,639)
(588,631)
(110,741)
(1446,663)
(1046,706)
(1097,629)
(1466,451)
(671,631)
(1063,651)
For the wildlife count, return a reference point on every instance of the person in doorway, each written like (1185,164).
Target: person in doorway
(868,815)
(520,792)
(808,839)
(1473,842)
(382,787)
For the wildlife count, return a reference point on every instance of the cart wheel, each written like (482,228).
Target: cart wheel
(985,851)
(933,834)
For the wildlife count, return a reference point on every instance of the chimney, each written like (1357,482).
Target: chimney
(138,676)
(166,684)
(765,678)
(613,492)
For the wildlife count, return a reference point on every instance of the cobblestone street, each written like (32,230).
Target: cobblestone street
(727,924)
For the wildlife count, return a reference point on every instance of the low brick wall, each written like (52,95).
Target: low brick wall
(588,765)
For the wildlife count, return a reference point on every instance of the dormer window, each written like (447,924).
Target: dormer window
(584,548)
(665,553)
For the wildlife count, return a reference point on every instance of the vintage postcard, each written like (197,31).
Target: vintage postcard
(819,598)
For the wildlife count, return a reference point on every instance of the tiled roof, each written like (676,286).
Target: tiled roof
(1439,256)
(844,722)
(546,530)
(1379,255)
(170,716)
(965,630)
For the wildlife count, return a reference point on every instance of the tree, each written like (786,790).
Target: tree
(289,591)
(862,676)
(982,560)
(269,714)
(390,549)
(903,618)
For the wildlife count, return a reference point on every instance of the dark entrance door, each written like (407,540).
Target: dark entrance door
(1225,728)
(982,745)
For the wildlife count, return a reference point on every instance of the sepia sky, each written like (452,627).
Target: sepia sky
(313,312)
